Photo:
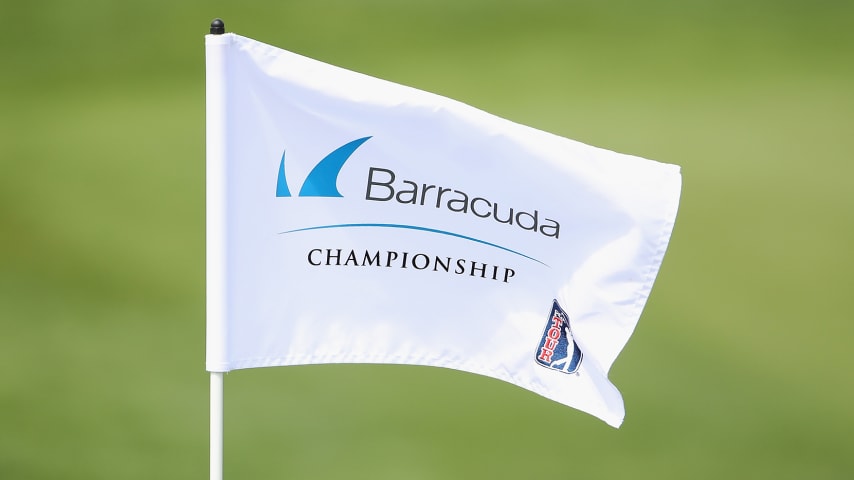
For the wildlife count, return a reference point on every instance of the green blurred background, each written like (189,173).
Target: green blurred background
(739,368)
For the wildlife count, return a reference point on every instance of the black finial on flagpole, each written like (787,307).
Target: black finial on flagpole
(217,26)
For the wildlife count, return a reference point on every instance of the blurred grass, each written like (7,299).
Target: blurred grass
(739,366)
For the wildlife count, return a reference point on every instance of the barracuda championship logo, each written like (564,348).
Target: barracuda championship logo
(384,185)
(558,349)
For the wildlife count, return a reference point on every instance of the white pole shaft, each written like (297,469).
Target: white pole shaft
(215,188)
(216,425)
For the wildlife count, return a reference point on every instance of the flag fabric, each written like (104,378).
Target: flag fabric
(355,220)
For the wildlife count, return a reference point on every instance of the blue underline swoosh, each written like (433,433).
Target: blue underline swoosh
(413,227)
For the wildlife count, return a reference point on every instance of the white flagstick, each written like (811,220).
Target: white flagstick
(216,145)
(216,425)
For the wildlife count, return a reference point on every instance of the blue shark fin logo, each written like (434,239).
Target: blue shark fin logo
(558,350)
(281,183)
(322,181)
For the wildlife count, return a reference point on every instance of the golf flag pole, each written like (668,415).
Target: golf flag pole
(215,225)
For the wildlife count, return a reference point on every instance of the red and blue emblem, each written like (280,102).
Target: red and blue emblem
(558,350)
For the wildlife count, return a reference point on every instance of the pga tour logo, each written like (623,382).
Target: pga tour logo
(558,350)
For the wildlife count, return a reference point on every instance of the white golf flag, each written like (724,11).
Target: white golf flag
(354,220)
